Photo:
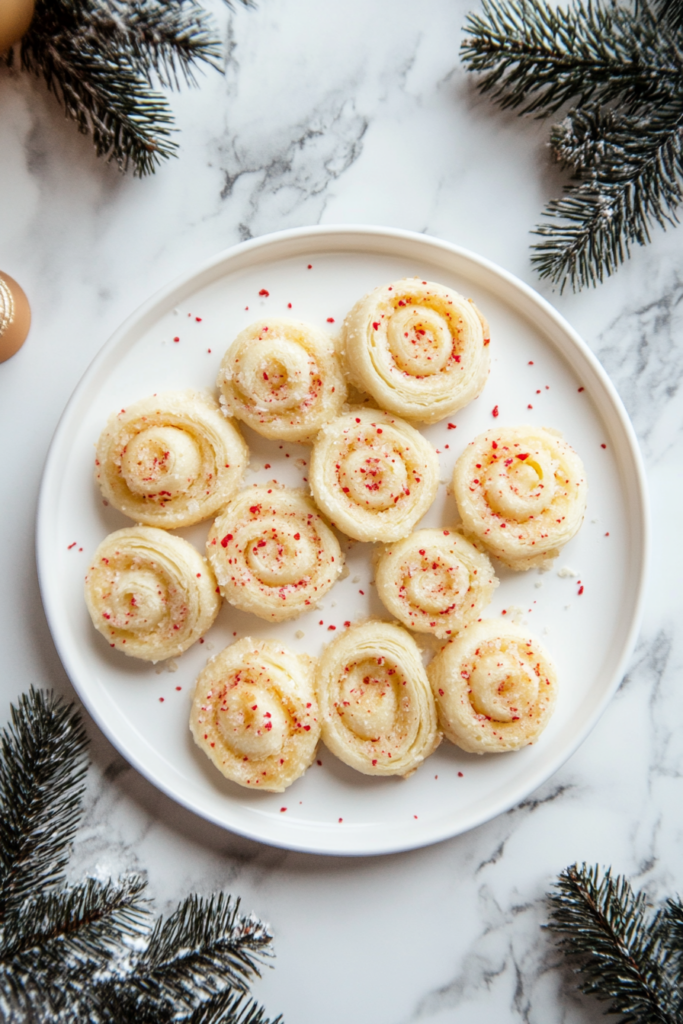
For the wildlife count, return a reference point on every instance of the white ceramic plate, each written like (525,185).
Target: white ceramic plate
(539,365)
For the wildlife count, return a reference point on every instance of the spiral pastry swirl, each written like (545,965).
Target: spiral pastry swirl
(521,491)
(420,349)
(282,378)
(170,460)
(150,593)
(378,713)
(373,475)
(255,714)
(495,687)
(434,581)
(272,553)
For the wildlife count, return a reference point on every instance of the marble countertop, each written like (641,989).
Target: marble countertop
(352,112)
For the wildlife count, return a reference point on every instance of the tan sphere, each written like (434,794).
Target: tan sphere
(15,316)
(15,18)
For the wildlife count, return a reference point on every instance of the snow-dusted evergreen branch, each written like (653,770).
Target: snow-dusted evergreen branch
(622,65)
(623,951)
(42,766)
(92,951)
(101,58)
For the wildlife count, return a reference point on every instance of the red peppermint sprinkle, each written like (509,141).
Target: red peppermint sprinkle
(494,412)
(264,292)
(226,540)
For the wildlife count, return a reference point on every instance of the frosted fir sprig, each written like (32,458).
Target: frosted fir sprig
(621,66)
(103,61)
(93,950)
(625,952)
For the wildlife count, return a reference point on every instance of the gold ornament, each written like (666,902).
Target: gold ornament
(15,18)
(15,317)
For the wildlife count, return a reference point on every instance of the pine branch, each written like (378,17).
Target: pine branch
(62,940)
(621,950)
(42,765)
(535,57)
(87,952)
(204,945)
(630,173)
(100,87)
(101,59)
(167,38)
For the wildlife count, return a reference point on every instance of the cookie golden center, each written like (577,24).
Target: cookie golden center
(419,340)
(521,486)
(160,459)
(369,699)
(503,686)
(252,722)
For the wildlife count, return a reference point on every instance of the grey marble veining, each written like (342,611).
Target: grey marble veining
(349,112)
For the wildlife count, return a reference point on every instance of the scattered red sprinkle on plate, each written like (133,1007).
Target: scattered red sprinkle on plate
(580,390)
(531,362)
(264,292)
(341,819)
(330,319)
(198,319)
(607,534)
(460,775)
(603,445)
(452,426)
(282,809)
(178,687)
(289,305)
(415,816)
(72,545)
(161,699)
(580,591)
(176,339)
(329,628)
(310,267)
(319,763)
(494,412)
(529,406)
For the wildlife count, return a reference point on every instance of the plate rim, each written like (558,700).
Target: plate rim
(343,844)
